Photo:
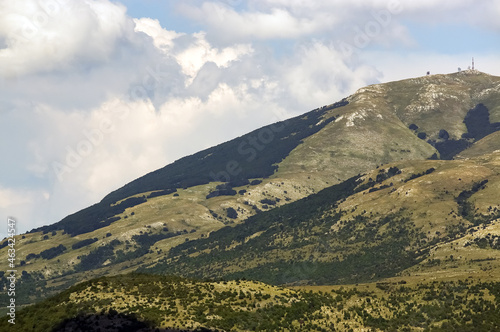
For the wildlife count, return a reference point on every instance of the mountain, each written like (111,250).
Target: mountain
(449,111)
(399,180)
(399,219)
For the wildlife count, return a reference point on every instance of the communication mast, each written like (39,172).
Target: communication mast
(472,63)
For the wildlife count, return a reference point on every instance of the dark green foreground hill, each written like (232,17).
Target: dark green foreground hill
(149,303)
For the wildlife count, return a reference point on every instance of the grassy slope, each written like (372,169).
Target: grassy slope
(414,196)
(489,144)
(171,302)
(188,214)
(430,202)
(333,243)
(366,133)
(373,128)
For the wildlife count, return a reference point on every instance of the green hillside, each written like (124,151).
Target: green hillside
(486,145)
(356,191)
(149,303)
(363,229)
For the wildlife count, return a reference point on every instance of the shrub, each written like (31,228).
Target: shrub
(162,193)
(231,213)
(443,134)
(95,258)
(222,190)
(83,243)
(31,256)
(268,201)
(414,176)
(53,252)
(238,182)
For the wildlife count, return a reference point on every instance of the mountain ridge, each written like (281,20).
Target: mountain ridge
(242,167)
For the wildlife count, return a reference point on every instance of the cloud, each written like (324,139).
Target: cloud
(229,22)
(91,98)
(270,19)
(162,39)
(44,36)
(9,198)
(70,54)
(200,52)
(23,204)
(319,73)
(275,23)
(191,52)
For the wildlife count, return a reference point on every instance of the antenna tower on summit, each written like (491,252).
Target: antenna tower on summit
(472,63)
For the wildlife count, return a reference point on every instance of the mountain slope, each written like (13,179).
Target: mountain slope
(374,127)
(486,145)
(394,219)
(403,123)
(235,162)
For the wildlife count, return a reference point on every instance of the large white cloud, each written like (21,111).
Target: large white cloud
(91,98)
(46,36)
(74,54)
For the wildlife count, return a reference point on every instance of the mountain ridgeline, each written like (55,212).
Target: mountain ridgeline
(254,155)
(448,113)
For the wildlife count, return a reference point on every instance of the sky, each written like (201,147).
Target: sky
(95,93)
